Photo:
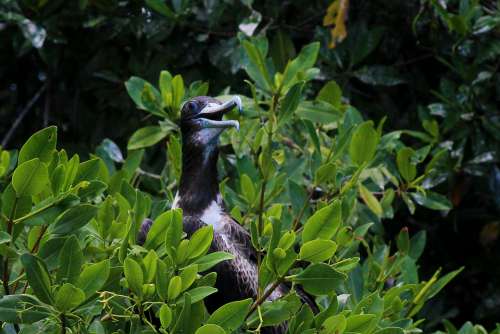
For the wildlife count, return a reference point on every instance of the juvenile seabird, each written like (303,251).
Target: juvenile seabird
(199,198)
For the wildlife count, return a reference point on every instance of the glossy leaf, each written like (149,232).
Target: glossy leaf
(145,137)
(93,277)
(30,178)
(38,277)
(74,218)
(40,145)
(324,223)
(319,279)
(231,315)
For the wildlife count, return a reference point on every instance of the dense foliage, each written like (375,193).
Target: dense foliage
(430,67)
(307,194)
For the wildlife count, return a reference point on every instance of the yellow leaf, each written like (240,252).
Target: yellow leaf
(335,16)
(370,200)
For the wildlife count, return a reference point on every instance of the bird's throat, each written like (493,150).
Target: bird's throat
(199,185)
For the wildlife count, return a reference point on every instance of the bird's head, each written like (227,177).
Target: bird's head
(201,119)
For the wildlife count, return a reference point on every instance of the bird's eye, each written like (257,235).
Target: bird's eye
(191,106)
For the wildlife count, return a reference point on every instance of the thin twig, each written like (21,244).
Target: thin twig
(297,219)
(265,295)
(34,249)
(21,115)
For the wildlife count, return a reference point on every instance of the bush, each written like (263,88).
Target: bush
(310,179)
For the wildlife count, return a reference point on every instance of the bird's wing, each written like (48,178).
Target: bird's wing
(191,224)
(239,235)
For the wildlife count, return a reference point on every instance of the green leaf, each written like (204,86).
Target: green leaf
(133,275)
(304,61)
(151,101)
(40,145)
(231,315)
(331,93)
(30,178)
(199,293)
(258,70)
(68,297)
(177,91)
(174,231)
(432,200)
(87,171)
(165,316)
(174,288)
(22,309)
(4,237)
(325,173)
(210,329)
(70,261)
(165,84)
(162,279)
(370,200)
(200,242)
(146,136)
(208,261)
(406,167)
(71,171)
(188,276)
(150,262)
(136,88)
(38,277)
(248,189)
(57,179)
(417,244)
(390,330)
(442,282)
(74,218)
(319,279)
(291,101)
(4,162)
(105,216)
(318,112)
(360,322)
(323,223)
(282,49)
(403,241)
(160,7)
(317,250)
(158,230)
(334,324)
(364,143)
(93,277)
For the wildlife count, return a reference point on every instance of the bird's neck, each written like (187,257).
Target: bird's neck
(199,185)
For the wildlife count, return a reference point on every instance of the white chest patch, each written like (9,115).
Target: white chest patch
(175,204)
(212,215)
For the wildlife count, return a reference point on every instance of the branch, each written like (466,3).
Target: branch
(264,296)
(21,115)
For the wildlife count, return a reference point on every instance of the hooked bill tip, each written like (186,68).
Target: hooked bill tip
(238,102)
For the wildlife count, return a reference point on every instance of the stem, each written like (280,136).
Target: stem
(63,323)
(10,227)
(33,250)
(34,213)
(39,239)
(21,115)
(266,294)
(297,219)
(260,225)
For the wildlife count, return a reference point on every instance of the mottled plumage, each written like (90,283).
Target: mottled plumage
(199,198)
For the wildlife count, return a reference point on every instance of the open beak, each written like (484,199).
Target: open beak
(211,115)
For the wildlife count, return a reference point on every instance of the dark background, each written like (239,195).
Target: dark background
(399,57)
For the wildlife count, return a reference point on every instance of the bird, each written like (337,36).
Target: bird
(199,198)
